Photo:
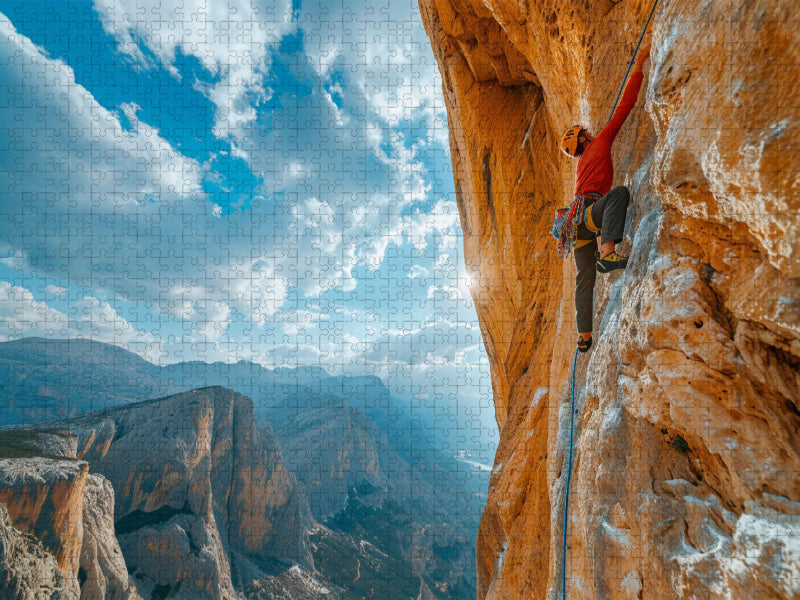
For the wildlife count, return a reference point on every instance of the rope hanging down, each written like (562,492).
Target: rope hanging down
(575,360)
(633,58)
(569,475)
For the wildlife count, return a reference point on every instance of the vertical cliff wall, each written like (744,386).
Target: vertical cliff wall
(57,527)
(27,570)
(213,492)
(687,444)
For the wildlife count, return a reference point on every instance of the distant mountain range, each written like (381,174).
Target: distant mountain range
(47,378)
(382,490)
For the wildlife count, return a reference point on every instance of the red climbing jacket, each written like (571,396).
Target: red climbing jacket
(595,174)
(595,167)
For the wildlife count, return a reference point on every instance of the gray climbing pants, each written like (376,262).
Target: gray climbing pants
(605,217)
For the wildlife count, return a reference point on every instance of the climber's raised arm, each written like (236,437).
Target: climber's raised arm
(597,210)
(629,97)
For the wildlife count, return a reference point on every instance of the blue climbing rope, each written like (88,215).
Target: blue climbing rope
(566,491)
(633,59)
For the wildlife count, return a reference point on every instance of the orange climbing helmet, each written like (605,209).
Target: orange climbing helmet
(569,141)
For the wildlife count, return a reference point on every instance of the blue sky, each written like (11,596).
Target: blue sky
(268,181)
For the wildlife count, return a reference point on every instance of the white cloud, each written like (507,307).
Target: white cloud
(445,293)
(346,190)
(391,81)
(417,272)
(231,39)
(384,48)
(119,212)
(252,286)
(72,147)
(22,315)
(249,286)
(210,321)
(55,290)
(16,260)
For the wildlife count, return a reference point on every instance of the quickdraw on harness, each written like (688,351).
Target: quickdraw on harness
(567,221)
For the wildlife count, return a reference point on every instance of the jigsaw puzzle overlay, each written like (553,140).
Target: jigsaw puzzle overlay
(282,315)
(663,462)
(235,306)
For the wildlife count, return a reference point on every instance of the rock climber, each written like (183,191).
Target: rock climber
(604,208)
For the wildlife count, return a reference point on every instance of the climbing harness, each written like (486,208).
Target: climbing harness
(566,491)
(567,220)
(633,58)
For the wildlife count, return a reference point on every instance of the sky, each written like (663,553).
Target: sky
(218,181)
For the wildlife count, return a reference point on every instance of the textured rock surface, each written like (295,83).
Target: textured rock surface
(294,583)
(52,443)
(44,498)
(27,570)
(69,512)
(392,529)
(687,443)
(357,484)
(204,502)
(102,565)
(334,449)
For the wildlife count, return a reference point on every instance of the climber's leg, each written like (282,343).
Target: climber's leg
(584,287)
(608,214)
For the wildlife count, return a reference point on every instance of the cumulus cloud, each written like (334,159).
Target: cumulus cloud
(386,49)
(55,290)
(22,315)
(370,73)
(16,260)
(141,174)
(417,272)
(118,211)
(70,148)
(249,285)
(231,39)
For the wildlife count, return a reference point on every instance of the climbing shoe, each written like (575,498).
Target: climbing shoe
(612,262)
(584,345)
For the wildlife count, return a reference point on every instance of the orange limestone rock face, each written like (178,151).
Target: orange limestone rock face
(44,498)
(686,449)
